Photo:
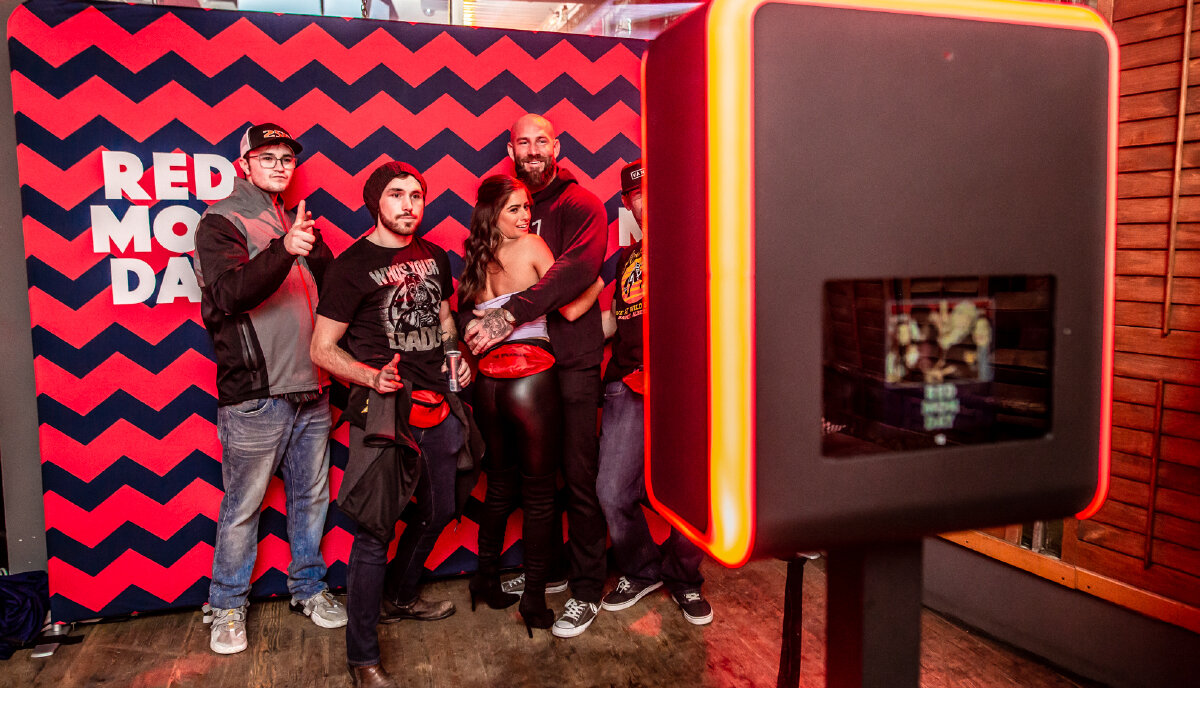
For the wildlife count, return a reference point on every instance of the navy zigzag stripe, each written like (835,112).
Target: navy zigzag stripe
(159,488)
(93,560)
(78,292)
(68,151)
(65,153)
(127,472)
(171,68)
(282,27)
(73,293)
(84,428)
(118,339)
(135,600)
(131,601)
(460,562)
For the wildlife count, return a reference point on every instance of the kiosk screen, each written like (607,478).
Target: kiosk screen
(915,363)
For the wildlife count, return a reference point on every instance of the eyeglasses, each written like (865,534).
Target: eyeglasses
(268,160)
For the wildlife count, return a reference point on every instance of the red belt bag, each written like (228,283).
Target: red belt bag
(512,360)
(428,409)
(636,381)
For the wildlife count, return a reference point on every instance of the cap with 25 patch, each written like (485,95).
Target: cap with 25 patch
(267,134)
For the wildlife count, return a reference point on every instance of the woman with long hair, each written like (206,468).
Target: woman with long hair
(517,401)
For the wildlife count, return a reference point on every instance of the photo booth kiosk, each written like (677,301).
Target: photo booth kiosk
(879,267)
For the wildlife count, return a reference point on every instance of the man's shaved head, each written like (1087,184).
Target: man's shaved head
(531,122)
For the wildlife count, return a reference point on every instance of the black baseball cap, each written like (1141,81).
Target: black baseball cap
(267,134)
(631,177)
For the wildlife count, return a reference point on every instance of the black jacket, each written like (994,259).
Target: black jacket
(257,300)
(385,461)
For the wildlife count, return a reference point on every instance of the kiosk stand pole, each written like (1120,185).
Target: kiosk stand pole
(873,637)
(793,616)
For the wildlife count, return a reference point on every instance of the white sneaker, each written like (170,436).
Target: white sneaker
(228,629)
(575,619)
(323,609)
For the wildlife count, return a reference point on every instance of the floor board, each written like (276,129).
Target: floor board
(648,645)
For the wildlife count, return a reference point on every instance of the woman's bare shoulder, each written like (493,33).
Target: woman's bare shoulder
(529,243)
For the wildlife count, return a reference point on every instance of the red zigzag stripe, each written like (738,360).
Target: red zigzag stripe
(130,506)
(148,321)
(119,373)
(124,439)
(447,175)
(170,34)
(140,120)
(66,188)
(86,177)
(167,583)
(91,527)
(70,257)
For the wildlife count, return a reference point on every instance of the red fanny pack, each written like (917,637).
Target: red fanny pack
(428,409)
(636,381)
(512,360)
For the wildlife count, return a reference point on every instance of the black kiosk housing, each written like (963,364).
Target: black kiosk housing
(879,255)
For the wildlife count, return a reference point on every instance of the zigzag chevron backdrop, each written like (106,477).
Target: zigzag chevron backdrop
(126,393)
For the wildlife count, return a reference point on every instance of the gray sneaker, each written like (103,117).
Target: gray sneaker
(323,609)
(516,585)
(228,629)
(575,619)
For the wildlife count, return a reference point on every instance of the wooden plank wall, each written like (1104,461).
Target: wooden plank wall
(1153,420)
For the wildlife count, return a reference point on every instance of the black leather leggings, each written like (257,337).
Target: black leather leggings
(521,421)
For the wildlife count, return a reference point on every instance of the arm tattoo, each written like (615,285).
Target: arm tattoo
(494,324)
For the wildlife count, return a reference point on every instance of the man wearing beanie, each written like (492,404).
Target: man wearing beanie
(388,295)
(258,265)
(573,223)
(644,566)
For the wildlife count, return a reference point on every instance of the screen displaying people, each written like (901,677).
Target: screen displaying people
(913,363)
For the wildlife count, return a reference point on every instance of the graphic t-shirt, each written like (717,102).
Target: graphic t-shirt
(627,309)
(390,298)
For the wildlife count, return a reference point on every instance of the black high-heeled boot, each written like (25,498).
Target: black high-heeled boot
(486,588)
(534,612)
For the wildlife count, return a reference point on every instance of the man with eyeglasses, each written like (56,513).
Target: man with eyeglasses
(258,265)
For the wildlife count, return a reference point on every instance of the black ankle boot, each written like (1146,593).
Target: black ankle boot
(533,610)
(486,588)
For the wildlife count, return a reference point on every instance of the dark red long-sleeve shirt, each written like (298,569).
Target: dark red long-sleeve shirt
(574,224)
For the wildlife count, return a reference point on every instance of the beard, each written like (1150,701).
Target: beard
(536,179)
(397,226)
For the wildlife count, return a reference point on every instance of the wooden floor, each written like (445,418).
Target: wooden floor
(648,645)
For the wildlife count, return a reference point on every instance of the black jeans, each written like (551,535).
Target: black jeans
(586,531)
(424,519)
(521,421)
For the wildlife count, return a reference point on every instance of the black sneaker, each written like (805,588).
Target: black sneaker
(696,608)
(575,619)
(516,585)
(626,594)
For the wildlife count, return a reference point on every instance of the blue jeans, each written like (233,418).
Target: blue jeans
(258,437)
(424,520)
(622,488)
